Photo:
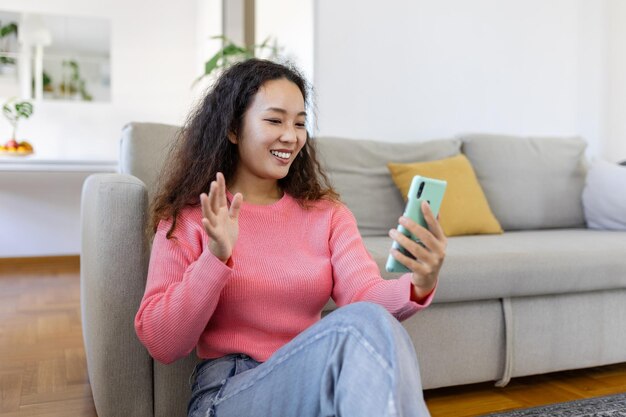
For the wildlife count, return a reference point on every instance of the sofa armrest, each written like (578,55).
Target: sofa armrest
(113,269)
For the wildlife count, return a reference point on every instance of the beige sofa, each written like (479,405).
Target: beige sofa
(546,295)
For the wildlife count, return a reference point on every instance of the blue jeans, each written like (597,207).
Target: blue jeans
(357,361)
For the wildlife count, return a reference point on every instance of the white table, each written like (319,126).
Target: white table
(32,164)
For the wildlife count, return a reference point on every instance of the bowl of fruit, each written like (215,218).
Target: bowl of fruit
(14,110)
(15,148)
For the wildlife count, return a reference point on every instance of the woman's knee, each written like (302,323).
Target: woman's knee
(374,326)
(367,317)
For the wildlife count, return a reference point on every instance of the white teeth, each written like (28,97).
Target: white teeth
(282,155)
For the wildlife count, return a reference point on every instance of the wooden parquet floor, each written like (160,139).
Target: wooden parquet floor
(479,399)
(43,369)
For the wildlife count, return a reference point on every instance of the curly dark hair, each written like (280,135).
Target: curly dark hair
(202,148)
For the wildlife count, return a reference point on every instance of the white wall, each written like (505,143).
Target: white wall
(208,26)
(290,23)
(415,70)
(616,117)
(153,63)
(592,75)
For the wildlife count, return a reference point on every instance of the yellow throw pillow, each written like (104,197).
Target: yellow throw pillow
(464,210)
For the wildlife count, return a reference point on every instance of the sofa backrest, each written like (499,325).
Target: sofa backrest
(358,171)
(143,149)
(530,182)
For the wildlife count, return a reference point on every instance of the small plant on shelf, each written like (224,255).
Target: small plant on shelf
(8,32)
(74,83)
(14,110)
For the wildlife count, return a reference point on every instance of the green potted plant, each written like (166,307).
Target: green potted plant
(232,52)
(14,110)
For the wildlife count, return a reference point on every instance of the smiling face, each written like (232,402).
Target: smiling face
(272,134)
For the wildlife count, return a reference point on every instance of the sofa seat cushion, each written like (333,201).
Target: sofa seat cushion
(525,263)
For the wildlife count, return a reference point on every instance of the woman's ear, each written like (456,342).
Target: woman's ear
(232,137)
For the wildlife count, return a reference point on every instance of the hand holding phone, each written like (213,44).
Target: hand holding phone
(422,189)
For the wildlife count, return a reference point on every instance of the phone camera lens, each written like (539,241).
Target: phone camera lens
(421,189)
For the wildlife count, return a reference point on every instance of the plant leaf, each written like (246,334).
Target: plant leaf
(24,108)
(211,64)
(232,49)
(8,29)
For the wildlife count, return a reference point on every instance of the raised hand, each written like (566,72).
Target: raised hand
(429,253)
(220,222)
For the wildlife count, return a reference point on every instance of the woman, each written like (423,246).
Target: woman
(243,273)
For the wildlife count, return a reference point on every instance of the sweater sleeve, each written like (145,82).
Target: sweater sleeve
(356,276)
(182,290)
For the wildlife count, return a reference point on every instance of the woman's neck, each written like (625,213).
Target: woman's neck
(256,191)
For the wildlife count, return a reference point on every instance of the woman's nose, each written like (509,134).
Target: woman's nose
(290,134)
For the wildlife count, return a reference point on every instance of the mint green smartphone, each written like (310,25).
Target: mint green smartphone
(422,189)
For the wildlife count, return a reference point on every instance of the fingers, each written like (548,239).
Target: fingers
(217,198)
(433,224)
(221,188)
(414,265)
(207,212)
(433,237)
(422,254)
(217,193)
(423,234)
(204,203)
(213,204)
(235,206)
(430,252)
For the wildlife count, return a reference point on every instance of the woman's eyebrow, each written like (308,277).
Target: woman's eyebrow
(283,111)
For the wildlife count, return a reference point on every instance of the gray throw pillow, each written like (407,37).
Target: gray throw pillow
(530,182)
(358,171)
(604,196)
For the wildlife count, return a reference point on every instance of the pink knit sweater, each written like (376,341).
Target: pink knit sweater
(286,264)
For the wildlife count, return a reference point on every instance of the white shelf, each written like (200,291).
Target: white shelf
(25,164)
